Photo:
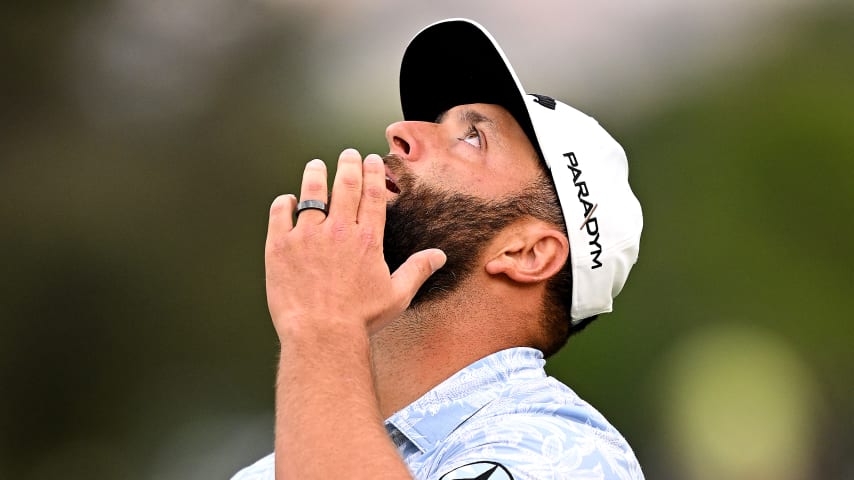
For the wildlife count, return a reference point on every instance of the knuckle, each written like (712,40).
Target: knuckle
(309,232)
(370,239)
(350,181)
(375,192)
(423,268)
(314,186)
(340,230)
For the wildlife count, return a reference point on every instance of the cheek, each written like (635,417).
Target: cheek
(479,182)
(456,179)
(444,175)
(460,173)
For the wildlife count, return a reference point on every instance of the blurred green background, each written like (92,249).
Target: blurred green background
(142,142)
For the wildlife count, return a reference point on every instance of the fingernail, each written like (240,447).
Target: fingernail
(316,163)
(437,260)
(373,158)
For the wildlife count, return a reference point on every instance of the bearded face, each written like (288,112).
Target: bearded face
(424,216)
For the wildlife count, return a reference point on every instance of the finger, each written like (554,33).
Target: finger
(313,188)
(281,218)
(408,278)
(347,187)
(373,205)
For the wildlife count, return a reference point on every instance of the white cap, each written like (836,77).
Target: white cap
(456,62)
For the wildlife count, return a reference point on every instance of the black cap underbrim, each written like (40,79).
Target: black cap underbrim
(456,62)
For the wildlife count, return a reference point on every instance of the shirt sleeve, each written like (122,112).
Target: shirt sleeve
(263,469)
(535,447)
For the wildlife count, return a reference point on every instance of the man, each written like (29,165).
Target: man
(415,307)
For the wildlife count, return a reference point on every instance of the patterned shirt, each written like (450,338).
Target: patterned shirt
(502,418)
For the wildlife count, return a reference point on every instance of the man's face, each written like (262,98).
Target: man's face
(477,149)
(452,185)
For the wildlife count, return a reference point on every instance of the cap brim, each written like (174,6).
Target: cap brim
(457,62)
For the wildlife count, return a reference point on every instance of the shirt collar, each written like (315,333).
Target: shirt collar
(440,411)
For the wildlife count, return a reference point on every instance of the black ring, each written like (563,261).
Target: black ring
(312,205)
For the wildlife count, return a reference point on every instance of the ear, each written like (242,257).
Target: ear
(530,252)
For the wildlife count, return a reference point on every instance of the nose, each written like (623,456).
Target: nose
(408,139)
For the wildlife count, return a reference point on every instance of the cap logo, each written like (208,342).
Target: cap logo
(587,218)
(545,101)
(589,222)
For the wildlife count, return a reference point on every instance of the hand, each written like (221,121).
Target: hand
(327,273)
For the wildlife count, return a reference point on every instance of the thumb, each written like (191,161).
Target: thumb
(409,277)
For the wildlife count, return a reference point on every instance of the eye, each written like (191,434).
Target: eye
(472,137)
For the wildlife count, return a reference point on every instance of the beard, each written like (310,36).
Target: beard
(461,225)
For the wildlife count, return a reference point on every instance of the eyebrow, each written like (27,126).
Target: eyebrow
(468,115)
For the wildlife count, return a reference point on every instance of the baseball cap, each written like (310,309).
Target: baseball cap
(456,62)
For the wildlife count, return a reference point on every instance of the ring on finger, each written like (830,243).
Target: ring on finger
(312,205)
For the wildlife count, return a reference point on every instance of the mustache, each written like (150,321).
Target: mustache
(405,178)
(393,160)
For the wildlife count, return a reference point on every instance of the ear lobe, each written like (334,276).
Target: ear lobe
(534,255)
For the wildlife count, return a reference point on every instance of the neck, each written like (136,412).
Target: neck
(430,343)
(406,362)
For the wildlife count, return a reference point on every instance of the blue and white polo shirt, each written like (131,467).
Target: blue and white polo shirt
(502,418)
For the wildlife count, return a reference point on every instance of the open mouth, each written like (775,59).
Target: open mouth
(391,181)
(391,186)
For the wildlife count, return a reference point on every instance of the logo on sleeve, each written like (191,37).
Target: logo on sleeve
(479,471)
